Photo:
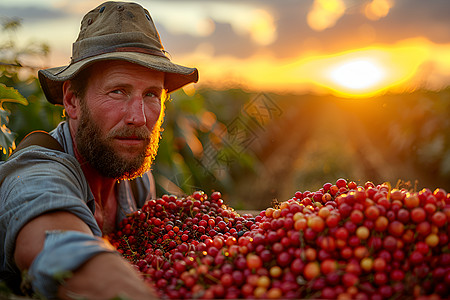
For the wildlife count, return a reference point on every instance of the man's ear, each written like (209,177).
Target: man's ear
(70,101)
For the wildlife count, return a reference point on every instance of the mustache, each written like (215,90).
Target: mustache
(141,133)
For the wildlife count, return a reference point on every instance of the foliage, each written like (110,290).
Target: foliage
(18,83)
(393,137)
(6,136)
(423,130)
(197,150)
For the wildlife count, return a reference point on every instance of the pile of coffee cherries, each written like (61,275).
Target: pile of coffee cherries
(343,241)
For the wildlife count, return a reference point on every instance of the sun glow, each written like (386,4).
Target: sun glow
(366,72)
(357,74)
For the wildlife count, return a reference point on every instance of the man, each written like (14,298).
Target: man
(56,205)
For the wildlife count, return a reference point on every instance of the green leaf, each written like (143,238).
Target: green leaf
(6,139)
(4,117)
(9,94)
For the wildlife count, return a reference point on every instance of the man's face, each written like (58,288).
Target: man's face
(120,121)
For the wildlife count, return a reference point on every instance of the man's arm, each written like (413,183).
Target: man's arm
(103,276)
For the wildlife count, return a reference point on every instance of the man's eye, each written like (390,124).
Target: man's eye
(117,92)
(153,97)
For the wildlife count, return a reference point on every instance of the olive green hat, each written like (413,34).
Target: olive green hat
(116,30)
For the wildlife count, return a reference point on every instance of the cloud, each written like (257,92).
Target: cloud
(31,13)
(325,13)
(415,18)
(352,29)
(377,9)
(198,19)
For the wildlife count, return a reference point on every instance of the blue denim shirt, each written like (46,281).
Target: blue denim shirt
(36,180)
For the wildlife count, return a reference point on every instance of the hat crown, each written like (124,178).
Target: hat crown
(116,25)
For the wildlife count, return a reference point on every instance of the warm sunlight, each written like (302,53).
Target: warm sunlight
(367,72)
(357,74)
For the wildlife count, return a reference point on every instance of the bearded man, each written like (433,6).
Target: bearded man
(55,204)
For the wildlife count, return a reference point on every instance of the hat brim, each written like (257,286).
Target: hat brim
(175,78)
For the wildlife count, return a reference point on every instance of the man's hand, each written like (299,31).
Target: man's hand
(104,276)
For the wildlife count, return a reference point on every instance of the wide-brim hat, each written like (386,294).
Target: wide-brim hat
(116,31)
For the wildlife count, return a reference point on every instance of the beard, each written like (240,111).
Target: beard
(97,149)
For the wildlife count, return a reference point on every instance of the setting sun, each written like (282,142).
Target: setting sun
(366,72)
(357,74)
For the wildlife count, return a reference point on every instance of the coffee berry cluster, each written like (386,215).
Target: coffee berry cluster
(343,241)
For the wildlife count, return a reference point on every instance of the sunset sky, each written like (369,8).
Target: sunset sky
(348,47)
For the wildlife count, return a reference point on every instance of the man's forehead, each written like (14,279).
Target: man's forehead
(120,70)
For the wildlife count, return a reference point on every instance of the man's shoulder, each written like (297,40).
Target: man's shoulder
(38,161)
(38,153)
(41,145)
(36,168)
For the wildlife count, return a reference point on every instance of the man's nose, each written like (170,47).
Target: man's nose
(135,114)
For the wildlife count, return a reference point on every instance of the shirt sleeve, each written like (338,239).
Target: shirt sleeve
(35,181)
